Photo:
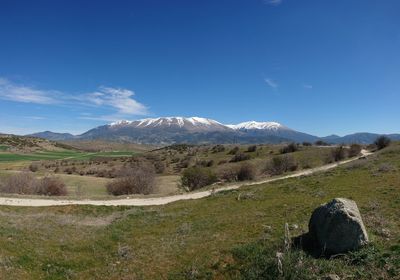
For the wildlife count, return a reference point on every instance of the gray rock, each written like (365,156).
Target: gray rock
(337,227)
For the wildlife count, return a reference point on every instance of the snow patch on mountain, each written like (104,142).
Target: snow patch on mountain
(256,125)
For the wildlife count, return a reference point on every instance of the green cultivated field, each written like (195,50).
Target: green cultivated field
(58,155)
(220,237)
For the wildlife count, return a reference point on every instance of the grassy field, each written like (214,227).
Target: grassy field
(220,237)
(58,155)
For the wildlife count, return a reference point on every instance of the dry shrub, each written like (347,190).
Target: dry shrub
(339,153)
(233,151)
(281,164)
(240,157)
(228,174)
(196,177)
(246,172)
(20,183)
(33,167)
(53,186)
(290,148)
(251,149)
(355,150)
(26,183)
(136,180)
(382,142)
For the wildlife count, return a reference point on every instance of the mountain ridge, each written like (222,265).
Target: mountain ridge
(198,130)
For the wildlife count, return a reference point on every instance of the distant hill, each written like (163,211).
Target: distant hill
(15,143)
(196,130)
(360,138)
(53,135)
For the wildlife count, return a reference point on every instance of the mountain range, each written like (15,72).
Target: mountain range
(196,130)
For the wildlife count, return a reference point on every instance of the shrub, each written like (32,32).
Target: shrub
(51,186)
(218,149)
(382,142)
(339,153)
(233,151)
(246,172)
(228,174)
(290,148)
(33,167)
(159,167)
(281,164)
(240,157)
(355,150)
(321,143)
(307,144)
(205,163)
(196,177)
(251,149)
(20,183)
(137,180)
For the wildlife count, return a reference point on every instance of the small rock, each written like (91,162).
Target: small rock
(332,277)
(337,227)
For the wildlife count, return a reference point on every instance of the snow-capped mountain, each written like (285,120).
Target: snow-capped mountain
(196,130)
(257,125)
(190,124)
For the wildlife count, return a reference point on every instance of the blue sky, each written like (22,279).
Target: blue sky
(318,66)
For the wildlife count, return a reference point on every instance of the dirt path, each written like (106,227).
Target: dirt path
(167,199)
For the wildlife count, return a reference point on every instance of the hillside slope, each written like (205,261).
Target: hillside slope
(242,230)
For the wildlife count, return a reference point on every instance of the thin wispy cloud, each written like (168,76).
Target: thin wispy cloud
(20,93)
(307,86)
(119,100)
(35,118)
(273,84)
(273,2)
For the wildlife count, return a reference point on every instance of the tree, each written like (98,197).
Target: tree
(382,142)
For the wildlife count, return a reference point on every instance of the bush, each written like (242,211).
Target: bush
(51,186)
(33,167)
(306,144)
(20,183)
(26,183)
(321,143)
(137,180)
(339,153)
(196,177)
(291,148)
(355,150)
(228,174)
(159,167)
(233,151)
(281,164)
(246,172)
(218,149)
(239,157)
(382,142)
(251,149)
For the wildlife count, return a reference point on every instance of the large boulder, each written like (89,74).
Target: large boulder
(336,227)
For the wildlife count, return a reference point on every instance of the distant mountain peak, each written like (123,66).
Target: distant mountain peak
(257,125)
(169,122)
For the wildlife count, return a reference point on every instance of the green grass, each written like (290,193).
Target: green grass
(3,148)
(219,237)
(58,155)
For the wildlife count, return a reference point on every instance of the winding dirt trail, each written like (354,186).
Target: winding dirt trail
(30,202)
